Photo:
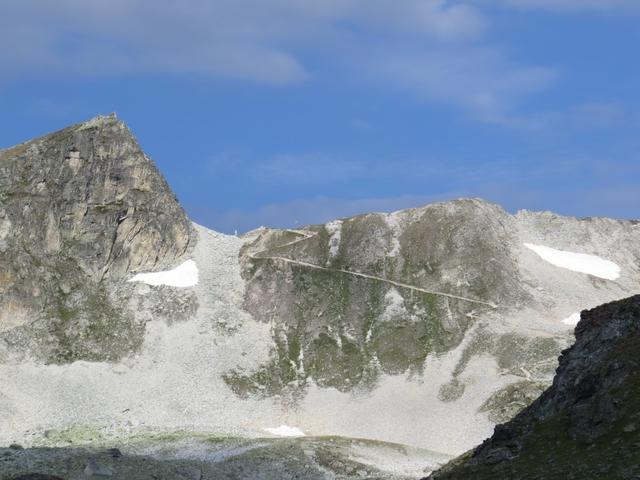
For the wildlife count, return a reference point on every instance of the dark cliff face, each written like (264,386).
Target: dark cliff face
(587,424)
(80,209)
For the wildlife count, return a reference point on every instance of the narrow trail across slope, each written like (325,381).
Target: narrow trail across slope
(308,235)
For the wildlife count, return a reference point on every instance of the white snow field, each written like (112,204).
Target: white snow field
(572,319)
(577,262)
(183,276)
(285,431)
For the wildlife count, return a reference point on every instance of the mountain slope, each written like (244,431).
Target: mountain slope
(447,317)
(383,288)
(587,424)
(452,296)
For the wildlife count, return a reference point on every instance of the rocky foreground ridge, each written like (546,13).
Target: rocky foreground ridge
(445,319)
(587,424)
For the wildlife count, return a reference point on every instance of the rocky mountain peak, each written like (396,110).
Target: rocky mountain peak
(80,208)
(89,192)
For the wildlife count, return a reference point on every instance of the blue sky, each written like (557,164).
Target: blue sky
(288,112)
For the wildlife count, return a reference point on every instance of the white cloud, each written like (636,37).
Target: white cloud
(321,170)
(598,114)
(76,38)
(306,168)
(441,19)
(581,116)
(314,169)
(251,39)
(434,49)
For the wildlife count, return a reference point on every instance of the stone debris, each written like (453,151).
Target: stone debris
(114,453)
(96,469)
(189,473)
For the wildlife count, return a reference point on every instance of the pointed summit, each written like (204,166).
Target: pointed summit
(78,207)
(98,195)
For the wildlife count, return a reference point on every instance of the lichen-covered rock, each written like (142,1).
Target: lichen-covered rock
(585,424)
(80,210)
(35,476)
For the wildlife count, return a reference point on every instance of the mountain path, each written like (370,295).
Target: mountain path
(308,235)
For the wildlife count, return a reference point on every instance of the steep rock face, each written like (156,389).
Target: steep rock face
(80,209)
(587,424)
(377,293)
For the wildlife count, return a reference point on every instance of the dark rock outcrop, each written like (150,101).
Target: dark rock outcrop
(587,424)
(80,209)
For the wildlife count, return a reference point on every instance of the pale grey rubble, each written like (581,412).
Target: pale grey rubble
(327,329)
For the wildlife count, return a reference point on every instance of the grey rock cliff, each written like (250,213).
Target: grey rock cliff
(359,307)
(80,209)
(377,294)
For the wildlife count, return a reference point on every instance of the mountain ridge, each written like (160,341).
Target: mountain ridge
(80,209)
(360,327)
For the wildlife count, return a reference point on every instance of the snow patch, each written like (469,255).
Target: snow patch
(577,262)
(186,275)
(285,431)
(572,319)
